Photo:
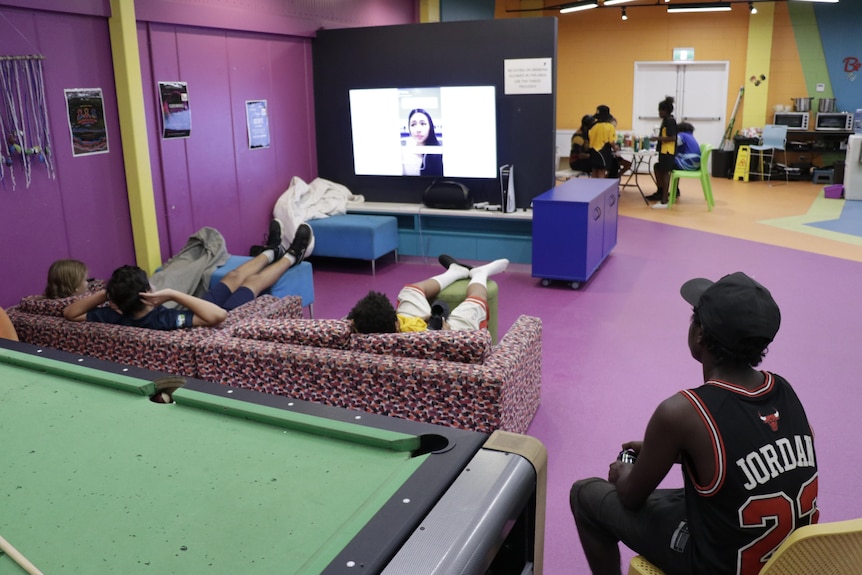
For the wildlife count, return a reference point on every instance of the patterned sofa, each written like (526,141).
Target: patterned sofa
(458,379)
(40,321)
(451,378)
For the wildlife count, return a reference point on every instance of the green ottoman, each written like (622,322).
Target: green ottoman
(457,292)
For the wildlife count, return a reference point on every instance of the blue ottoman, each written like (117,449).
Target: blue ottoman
(297,280)
(355,236)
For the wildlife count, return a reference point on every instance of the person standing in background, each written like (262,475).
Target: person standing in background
(666,147)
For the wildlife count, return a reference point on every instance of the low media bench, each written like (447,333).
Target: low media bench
(473,234)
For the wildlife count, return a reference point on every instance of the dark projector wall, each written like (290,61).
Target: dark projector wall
(468,53)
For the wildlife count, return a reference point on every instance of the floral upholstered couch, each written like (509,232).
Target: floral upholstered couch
(454,378)
(40,321)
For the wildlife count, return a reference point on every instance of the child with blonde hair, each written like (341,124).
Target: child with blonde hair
(66,278)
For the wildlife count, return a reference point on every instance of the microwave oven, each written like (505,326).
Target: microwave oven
(793,120)
(836,121)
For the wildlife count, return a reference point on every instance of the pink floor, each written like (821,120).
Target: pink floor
(615,348)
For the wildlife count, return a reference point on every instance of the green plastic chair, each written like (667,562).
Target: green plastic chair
(701,174)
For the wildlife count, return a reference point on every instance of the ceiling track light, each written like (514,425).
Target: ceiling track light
(751,8)
(615,2)
(624,16)
(578,6)
(680,8)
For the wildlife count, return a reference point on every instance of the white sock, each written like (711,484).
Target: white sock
(480,274)
(270,255)
(451,275)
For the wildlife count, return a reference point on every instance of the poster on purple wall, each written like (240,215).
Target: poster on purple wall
(86,112)
(258,124)
(176,113)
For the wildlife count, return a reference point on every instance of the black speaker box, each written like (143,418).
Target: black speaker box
(447,195)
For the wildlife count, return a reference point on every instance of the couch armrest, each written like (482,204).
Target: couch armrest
(517,362)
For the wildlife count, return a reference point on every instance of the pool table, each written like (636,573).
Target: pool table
(99,478)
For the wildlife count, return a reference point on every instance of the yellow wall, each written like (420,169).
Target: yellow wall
(597,50)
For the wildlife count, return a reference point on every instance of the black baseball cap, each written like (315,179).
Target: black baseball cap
(733,309)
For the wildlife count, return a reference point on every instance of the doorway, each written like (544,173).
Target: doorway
(700,97)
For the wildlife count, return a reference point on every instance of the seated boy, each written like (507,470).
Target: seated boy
(375,314)
(132,303)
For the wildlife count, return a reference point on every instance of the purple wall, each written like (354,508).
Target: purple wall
(227,55)
(84,212)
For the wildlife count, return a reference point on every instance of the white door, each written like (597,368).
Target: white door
(699,90)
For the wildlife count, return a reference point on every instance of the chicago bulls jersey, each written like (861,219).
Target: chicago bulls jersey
(765,484)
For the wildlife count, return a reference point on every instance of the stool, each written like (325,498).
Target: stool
(355,236)
(822,177)
(457,292)
(297,280)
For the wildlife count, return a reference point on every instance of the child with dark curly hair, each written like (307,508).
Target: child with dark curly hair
(415,312)
(131,301)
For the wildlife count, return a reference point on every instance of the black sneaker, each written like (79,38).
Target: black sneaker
(300,242)
(273,238)
(447,260)
(656,197)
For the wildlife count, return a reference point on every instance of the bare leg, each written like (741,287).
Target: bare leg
(266,277)
(235,278)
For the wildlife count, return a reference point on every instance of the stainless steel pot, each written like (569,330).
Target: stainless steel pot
(826,105)
(802,104)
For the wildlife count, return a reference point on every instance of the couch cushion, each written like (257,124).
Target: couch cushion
(331,333)
(461,346)
(40,305)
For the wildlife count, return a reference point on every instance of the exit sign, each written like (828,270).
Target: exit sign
(683,54)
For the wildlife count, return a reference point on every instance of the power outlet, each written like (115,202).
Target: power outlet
(821,87)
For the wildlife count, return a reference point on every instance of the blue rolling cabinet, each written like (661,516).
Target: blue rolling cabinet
(574,229)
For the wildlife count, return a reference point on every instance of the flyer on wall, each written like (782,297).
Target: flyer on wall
(258,124)
(176,113)
(86,112)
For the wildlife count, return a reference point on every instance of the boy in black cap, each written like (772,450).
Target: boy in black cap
(744,442)
(603,142)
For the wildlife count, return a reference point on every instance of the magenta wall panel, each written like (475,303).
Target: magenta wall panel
(212,178)
(84,212)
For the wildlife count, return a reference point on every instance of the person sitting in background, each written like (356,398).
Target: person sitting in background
(620,165)
(375,314)
(687,149)
(603,143)
(132,303)
(66,278)
(7,330)
(579,156)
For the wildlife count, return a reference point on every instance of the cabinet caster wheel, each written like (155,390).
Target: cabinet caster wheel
(575,285)
(546,282)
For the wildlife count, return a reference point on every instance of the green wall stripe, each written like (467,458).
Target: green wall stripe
(810,48)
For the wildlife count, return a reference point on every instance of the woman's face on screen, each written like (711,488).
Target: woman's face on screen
(419,127)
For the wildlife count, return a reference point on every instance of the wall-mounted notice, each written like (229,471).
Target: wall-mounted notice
(528,76)
(86,112)
(258,124)
(176,113)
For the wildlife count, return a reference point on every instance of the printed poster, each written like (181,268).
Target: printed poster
(176,113)
(86,112)
(258,124)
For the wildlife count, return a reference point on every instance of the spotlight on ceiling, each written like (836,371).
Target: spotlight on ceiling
(751,8)
(624,16)
(615,2)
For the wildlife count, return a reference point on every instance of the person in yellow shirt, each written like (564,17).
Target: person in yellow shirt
(415,312)
(603,142)
(666,147)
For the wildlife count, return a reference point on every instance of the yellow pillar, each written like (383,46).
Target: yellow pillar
(429,11)
(757,61)
(133,132)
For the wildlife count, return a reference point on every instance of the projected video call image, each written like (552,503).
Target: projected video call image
(445,131)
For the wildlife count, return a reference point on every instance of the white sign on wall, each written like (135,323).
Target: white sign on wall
(528,76)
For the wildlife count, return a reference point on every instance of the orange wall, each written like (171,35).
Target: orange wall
(597,50)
